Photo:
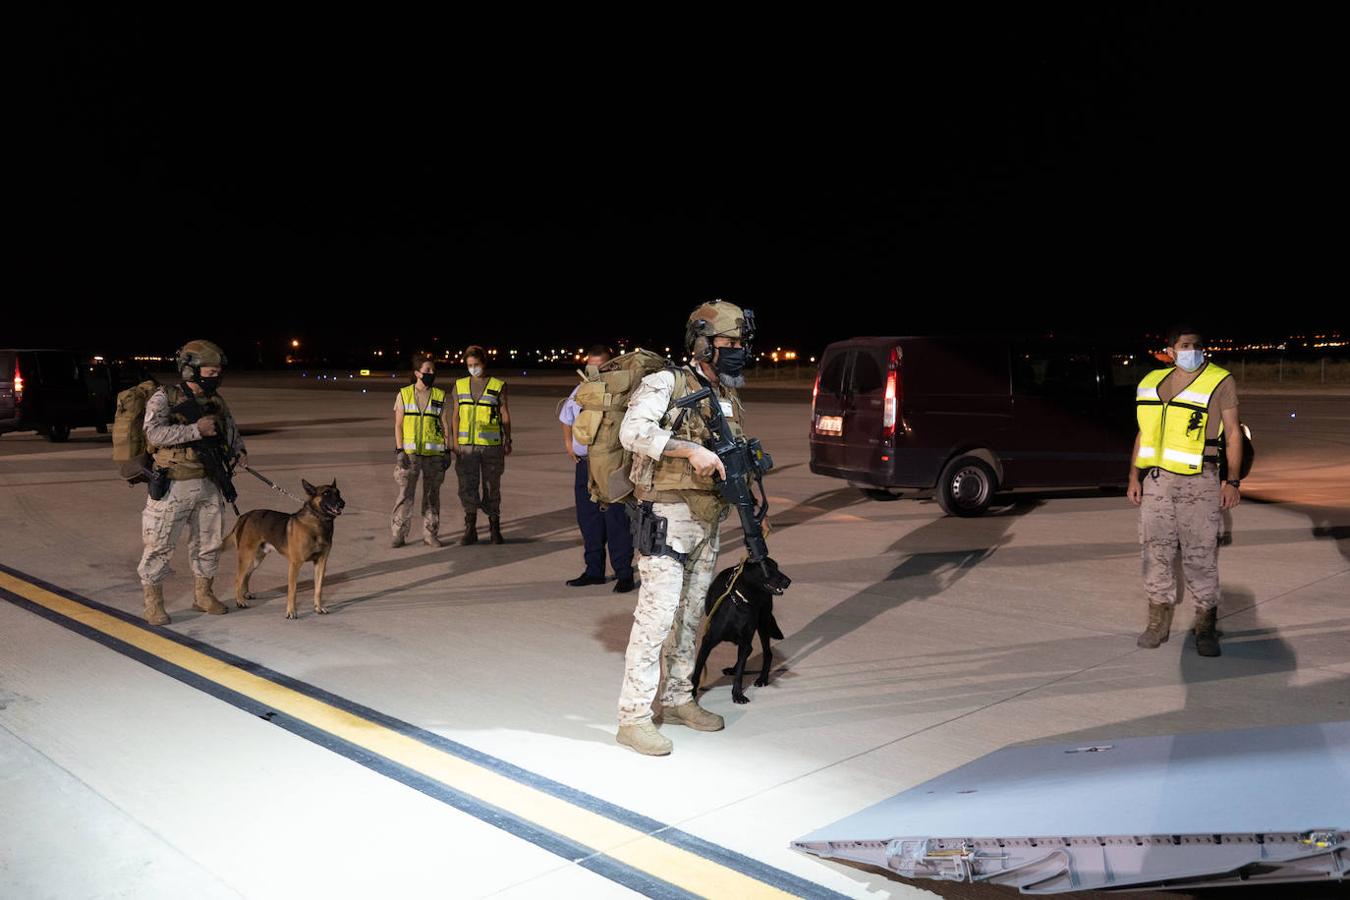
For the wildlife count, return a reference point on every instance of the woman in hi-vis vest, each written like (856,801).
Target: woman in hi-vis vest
(421,426)
(481,426)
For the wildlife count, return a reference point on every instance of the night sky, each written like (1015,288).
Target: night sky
(538,181)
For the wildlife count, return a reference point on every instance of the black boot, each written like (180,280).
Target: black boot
(470,529)
(1206,635)
(495,527)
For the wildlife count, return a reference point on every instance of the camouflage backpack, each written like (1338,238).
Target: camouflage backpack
(131,450)
(603,398)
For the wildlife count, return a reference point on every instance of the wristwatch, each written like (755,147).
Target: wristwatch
(1235,482)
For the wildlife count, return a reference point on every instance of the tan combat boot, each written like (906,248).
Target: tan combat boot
(154,604)
(205,598)
(1159,625)
(1206,635)
(693,716)
(645,739)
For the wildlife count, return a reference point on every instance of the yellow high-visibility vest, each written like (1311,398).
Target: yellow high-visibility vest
(422,432)
(1172,434)
(480,421)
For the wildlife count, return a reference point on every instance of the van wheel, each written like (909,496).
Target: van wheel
(101,428)
(966,487)
(58,434)
(879,494)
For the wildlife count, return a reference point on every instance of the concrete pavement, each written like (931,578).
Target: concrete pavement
(915,643)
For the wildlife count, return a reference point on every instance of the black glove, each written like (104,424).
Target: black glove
(445,462)
(402,459)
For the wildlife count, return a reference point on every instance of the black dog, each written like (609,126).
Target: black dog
(739,606)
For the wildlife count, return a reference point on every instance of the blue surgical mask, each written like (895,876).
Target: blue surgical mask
(1190,360)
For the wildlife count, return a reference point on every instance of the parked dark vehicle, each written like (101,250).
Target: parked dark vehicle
(968,416)
(53,391)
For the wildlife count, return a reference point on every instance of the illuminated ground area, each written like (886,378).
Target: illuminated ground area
(915,643)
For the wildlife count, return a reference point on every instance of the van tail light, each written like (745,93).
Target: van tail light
(18,382)
(888,415)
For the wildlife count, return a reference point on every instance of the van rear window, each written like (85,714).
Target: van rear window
(832,373)
(866,377)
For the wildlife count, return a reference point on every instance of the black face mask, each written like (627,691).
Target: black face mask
(730,361)
(208,384)
(428,378)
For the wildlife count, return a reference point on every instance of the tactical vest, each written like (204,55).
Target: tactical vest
(480,421)
(181,461)
(1172,434)
(422,432)
(672,479)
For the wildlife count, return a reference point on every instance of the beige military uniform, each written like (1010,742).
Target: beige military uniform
(671,598)
(1181,512)
(193,501)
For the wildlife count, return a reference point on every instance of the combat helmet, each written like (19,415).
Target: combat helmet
(717,318)
(193,355)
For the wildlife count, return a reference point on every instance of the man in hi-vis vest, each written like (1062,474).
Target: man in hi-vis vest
(1187,415)
(421,423)
(481,423)
(672,477)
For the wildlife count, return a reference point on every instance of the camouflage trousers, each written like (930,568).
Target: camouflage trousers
(432,472)
(480,470)
(669,596)
(192,502)
(1181,513)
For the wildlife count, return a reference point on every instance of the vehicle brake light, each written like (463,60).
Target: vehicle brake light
(18,381)
(888,415)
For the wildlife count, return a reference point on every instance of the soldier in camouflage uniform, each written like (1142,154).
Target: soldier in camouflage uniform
(673,471)
(1188,415)
(193,500)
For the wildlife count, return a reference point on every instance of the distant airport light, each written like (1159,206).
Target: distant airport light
(295,343)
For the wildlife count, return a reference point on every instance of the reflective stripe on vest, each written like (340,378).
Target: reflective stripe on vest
(479,420)
(422,432)
(1172,433)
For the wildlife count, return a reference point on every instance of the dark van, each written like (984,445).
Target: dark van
(965,417)
(53,391)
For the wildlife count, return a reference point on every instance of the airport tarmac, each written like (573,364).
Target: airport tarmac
(449,729)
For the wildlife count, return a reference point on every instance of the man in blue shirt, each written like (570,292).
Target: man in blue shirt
(598,527)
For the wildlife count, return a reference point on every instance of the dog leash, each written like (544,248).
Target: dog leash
(731,587)
(272,484)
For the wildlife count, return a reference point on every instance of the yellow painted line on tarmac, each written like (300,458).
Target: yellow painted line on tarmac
(679,867)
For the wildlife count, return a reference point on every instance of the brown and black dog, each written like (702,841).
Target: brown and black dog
(303,536)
